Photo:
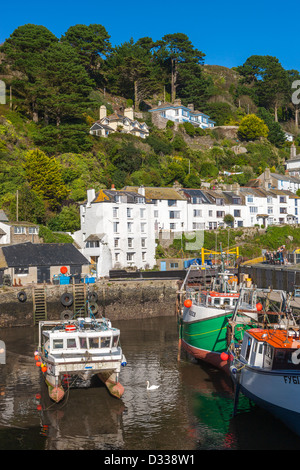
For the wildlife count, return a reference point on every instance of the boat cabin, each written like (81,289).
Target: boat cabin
(217,299)
(79,337)
(274,349)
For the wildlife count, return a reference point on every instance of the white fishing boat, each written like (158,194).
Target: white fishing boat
(78,349)
(266,369)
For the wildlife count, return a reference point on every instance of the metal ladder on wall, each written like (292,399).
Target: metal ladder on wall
(79,300)
(39,304)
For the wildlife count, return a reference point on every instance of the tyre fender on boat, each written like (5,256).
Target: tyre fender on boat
(66,299)
(22,296)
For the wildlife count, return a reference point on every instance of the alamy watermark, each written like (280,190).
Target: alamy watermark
(296,94)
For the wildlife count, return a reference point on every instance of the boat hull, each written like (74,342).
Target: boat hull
(276,392)
(206,333)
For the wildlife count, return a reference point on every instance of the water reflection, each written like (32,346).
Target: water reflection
(192,409)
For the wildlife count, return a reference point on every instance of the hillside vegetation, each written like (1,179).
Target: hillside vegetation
(57,85)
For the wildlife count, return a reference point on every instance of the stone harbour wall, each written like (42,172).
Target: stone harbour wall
(117,300)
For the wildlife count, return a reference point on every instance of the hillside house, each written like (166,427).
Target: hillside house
(116,122)
(179,114)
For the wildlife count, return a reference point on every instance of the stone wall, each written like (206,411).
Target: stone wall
(117,300)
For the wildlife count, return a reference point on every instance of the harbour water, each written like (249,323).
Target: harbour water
(191,411)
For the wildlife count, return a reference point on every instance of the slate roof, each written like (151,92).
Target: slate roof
(158,193)
(41,254)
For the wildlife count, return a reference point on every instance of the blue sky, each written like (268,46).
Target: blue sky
(227,32)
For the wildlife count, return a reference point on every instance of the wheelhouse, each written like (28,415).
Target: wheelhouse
(276,350)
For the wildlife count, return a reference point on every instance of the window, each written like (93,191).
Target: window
(253,210)
(143,242)
(210,213)
(116,242)
(115,341)
(269,200)
(155,213)
(142,213)
(129,226)
(115,212)
(198,226)
(117,198)
(143,255)
(130,256)
(19,230)
(173,265)
(219,202)
(282,199)
(172,226)
(130,242)
(33,230)
(283,210)
(270,210)
(140,200)
(220,213)
(21,270)
(94,343)
(197,213)
(58,344)
(197,200)
(129,212)
(236,200)
(172,203)
(174,214)
(143,227)
(116,227)
(71,343)
(249,198)
(237,213)
(92,244)
(105,342)
(117,256)
(83,342)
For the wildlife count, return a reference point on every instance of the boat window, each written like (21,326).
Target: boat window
(105,342)
(249,342)
(285,359)
(94,343)
(71,343)
(268,356)
(58,344)
(83,342)
(216,302)
(226,301)
(115,341)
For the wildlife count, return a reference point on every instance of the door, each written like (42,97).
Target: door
(43,274)
(163,265)
(75,272)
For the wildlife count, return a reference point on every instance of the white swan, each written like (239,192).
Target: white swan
(153,387)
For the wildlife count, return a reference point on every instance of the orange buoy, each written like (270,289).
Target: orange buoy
(44,368)
(63,269)
(38,396)
(36,358)
(188,303)
(39,407)
(38,364)
(224,356)
(259,307)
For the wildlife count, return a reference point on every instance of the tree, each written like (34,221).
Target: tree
(43,174)
(23,56)
(91,43)
(252,127)
(63,84)
(176,53)
(276,135)
(269,80)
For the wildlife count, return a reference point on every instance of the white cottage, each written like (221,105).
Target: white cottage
(117,230)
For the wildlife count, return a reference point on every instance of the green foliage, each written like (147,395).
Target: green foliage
(68,220)
(43,173)
(252,127)
(51,237)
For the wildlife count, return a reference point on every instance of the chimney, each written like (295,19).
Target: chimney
(128,112)
(293,150)
(113,187)
(90,196)
(191,107)
(141,190)
(102,112)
